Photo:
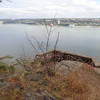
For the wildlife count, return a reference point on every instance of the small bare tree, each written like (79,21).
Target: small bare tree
(43,47)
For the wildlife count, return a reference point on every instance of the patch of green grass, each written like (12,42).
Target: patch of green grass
(3,66)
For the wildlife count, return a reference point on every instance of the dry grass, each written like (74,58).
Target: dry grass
(81,84)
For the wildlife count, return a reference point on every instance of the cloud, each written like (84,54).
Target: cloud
(48,8)
(13,10)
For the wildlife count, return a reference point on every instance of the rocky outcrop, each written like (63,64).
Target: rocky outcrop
(57,56)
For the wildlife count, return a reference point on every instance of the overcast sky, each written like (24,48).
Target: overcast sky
(50,8)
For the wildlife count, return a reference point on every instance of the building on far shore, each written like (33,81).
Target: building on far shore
(72,25)
(58,22)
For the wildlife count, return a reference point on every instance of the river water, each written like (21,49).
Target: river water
(79,40)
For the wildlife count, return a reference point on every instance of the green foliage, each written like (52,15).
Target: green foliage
(3,66)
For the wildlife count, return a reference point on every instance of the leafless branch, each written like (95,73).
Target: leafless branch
(56,41)
(38,44)
(48,38)
(6,0)
(31,43)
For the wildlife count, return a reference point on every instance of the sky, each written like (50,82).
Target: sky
(50,9)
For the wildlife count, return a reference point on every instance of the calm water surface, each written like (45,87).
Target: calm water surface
(79,40)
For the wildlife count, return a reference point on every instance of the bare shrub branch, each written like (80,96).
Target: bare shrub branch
(31,43)
(57,40)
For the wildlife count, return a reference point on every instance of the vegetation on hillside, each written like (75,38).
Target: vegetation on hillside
(80,84)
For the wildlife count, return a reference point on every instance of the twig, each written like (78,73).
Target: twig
(31,43)
(56,41)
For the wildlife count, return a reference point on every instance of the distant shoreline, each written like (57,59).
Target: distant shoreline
(55,21)
(54,25)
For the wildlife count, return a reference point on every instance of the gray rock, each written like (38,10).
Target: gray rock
(34,77)
(39,96)
(65,67)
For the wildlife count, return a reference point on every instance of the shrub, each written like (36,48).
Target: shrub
(3,67)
